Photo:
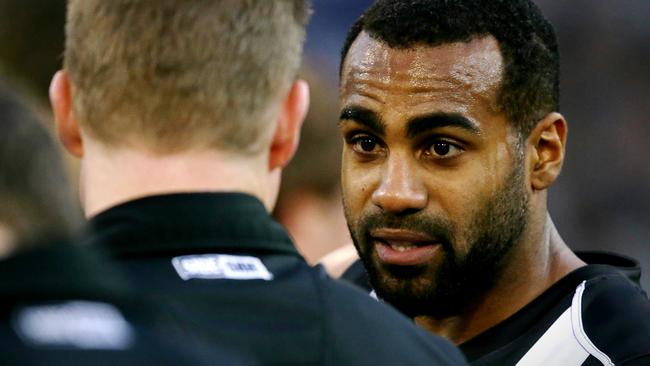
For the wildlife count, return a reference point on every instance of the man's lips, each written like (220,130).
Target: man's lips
(404,247)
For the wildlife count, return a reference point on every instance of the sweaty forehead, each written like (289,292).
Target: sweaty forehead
(473,67)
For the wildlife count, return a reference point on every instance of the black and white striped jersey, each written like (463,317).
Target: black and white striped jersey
(596,315)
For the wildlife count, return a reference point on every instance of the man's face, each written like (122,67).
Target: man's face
(433,178)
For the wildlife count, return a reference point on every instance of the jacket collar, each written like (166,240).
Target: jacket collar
(187,223)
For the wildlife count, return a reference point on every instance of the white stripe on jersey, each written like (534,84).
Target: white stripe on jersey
(579,331)
(565,342)
(557,346)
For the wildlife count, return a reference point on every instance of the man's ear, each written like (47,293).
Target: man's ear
(287,134)
(67,126)
(546,146)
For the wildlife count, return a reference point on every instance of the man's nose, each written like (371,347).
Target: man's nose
(400,189)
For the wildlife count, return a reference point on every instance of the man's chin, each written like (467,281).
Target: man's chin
(408,284)
(414,304)
(405,273)
(413,291)
(407,302)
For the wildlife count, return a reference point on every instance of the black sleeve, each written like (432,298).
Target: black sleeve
(641,361)
(616,317)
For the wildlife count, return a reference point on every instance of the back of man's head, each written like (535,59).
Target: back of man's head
(35,199)
(175,75)
(530,77)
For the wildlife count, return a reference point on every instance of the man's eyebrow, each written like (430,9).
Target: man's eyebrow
(363,116)
(435,120)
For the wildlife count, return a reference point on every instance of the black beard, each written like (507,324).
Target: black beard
(459,279)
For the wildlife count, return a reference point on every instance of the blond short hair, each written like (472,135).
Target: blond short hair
(173,75)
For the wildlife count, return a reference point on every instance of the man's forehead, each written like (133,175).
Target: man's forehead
(477,63)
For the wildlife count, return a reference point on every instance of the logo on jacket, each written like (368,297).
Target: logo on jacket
(220,266)
(74,324)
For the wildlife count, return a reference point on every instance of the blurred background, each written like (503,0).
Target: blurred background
(602,199)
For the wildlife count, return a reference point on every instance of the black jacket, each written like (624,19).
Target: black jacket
(219,263)
(61,305)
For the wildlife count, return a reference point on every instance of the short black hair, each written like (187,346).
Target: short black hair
(530,82)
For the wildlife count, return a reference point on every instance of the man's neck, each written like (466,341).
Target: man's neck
(111,177)
(534,269)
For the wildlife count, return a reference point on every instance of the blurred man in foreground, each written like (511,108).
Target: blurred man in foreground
(61,305)
(184,114)
(452,138)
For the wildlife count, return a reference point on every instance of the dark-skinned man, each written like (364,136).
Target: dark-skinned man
(449,113)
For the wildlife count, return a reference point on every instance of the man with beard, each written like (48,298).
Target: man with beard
(452,136)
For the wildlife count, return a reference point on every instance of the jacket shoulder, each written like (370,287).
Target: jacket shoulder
(616,316)
(361,330)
